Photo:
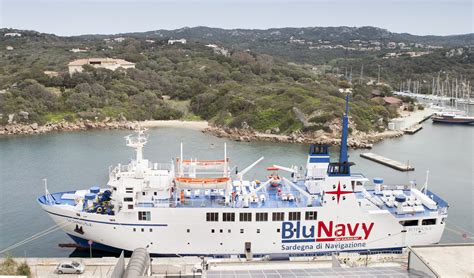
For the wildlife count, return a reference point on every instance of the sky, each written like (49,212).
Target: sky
(75,17)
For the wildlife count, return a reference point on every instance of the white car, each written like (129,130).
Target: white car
(70,267)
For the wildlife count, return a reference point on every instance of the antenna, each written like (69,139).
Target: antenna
(225,159)
(345,126)
(426,181)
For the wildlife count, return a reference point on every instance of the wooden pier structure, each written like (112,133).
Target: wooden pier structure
(388,162)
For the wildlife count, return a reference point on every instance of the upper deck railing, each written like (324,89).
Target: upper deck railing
(123,169)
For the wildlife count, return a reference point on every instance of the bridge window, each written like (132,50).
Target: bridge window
(245,216)
(295,216)
(311,215)
(212,216)
(144,215)
(261,216)
(129,190)
(408,223)
(278,216)
(228,217)
(128,199)
(431,221)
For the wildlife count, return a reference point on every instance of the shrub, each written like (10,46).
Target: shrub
(23,269)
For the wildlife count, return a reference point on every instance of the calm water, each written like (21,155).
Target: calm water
(80,159)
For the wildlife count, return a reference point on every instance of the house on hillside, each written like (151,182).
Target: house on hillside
(77,50)
(393,101)
(51,73)
(12,35)
(106,63)
(181,41)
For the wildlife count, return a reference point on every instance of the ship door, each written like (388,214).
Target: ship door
(248,247)
(248,250)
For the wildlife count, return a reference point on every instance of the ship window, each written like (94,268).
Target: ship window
(245,216)
(221,231)
(144,215)
(261,216)
(431,221)
(278,230)
(409,223)
(212,216)
(295,216)
(229,231)
(130,206)
(212,231)
(258,231)
(188,230)
(155,193)
(128,199)
(228,217)
(134,229)
(143,193)
(151,230)
(311,215)
(129,190)
(278,216)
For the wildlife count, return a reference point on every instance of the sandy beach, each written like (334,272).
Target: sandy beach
(198,125)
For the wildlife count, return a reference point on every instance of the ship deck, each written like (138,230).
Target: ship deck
(273,200)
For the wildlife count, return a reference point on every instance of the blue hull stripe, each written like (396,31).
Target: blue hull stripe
(110,223)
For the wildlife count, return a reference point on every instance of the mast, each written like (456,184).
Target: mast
(137,142)
(345,130)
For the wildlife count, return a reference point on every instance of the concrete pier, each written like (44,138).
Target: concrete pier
(444,260)
(387,162)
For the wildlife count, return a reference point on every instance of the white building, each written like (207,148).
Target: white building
(76,50)
(120,39)
(106,63)
(181,41)
(12,35)
(9,47)
(219,50)
(392,45)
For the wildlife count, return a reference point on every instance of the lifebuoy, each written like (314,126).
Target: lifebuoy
(99,210)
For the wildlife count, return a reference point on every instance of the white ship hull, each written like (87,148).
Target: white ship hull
(185,231)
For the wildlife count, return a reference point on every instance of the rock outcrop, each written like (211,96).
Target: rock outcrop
(356,139)
(34,128)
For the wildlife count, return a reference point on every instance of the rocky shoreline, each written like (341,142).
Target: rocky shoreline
(34,128)
(359,140)
(356,139)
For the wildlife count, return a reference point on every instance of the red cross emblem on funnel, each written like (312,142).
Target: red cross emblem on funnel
(338,192)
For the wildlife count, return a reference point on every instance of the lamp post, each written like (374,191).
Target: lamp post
(90,247)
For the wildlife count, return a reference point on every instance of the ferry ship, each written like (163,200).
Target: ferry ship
(198,207)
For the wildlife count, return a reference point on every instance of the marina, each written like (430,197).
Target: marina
(388,162)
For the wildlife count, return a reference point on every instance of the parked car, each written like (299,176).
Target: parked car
(70,267)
